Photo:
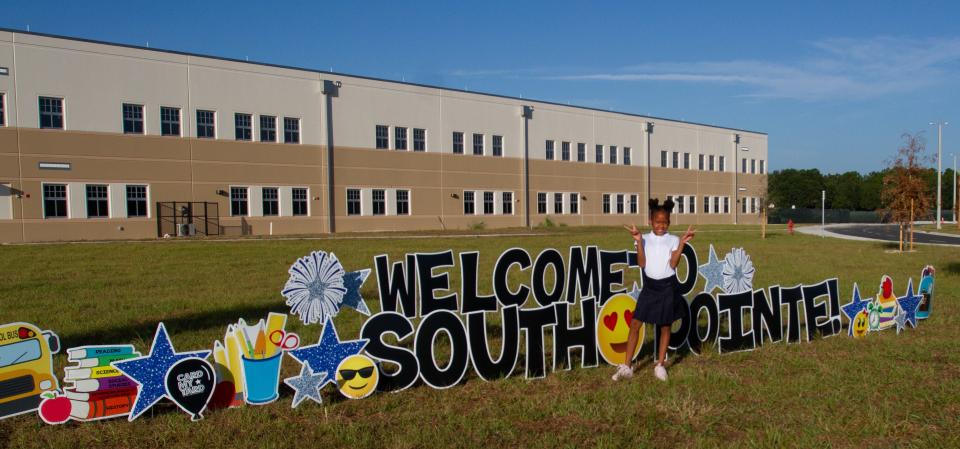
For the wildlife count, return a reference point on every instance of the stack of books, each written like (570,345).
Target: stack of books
(99,390)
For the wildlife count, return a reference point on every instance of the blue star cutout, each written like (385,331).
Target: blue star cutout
(635,293)
(326,355)
(150,371)
(306,385)
(712,271)
(353,281)
(852,308)
(909,305)
(901,321)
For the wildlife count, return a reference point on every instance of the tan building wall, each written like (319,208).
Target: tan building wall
(95,79)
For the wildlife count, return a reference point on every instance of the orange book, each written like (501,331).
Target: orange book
(102,408)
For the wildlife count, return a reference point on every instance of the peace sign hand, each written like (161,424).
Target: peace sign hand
(633,232)
(688,236)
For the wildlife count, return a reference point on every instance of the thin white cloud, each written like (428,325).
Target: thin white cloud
(840,68)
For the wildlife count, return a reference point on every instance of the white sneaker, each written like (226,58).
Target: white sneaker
(623,372)
(660,372)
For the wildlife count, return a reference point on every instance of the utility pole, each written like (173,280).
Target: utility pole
(939,167)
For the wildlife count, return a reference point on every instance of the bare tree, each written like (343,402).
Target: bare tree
(905,193)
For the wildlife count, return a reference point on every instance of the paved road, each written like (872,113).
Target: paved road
(891,233)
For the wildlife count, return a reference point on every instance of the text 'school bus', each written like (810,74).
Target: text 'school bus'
(26,367)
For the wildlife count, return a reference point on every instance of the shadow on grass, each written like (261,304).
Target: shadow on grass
(126,332)
(952,268)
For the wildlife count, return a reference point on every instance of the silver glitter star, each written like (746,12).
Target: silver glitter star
(712,271)
(306,385)
(901,321)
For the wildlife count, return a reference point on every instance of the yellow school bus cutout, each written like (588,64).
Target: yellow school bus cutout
(26,367)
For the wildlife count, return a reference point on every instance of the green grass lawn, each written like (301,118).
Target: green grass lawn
(884,390)
(945,228)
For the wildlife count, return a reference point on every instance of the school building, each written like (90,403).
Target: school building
(104,141)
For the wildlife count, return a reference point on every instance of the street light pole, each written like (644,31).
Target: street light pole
(955,220)
(939,168)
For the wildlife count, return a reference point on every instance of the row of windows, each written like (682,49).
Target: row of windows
(378,201)
(620,203)
(566,153)
(52,117)
(710,162)
(97,196)
(687,204)
(400,138)
(479,142)
(269,201)
(558,203)
(490,201)
(750,204)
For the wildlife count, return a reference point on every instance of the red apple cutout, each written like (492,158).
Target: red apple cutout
(54,409)
(222,395)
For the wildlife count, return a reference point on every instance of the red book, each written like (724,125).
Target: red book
(102,408)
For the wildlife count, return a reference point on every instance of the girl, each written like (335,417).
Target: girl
(660,302)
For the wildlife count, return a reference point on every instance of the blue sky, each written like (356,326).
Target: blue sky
(833,83)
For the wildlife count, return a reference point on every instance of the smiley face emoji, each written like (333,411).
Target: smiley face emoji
(860,324)
(357,377)
(613,328)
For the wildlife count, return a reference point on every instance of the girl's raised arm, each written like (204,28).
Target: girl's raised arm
(638,242)
(687,236)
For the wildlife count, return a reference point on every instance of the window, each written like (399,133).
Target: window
(54,200)
(726,204)
(403,202)
(299,201)
(686,161)
(3,110)
(744,203)
(457,142)
(606,203)
(478,144)
(706,204)
(613,154)
(581,152)
(132,118)
(663,159)
(558,203)
(675,161)
(271,202)
(136,201)
(51,113)
(712,160)
(565,151)
(701,163)
(744,166)
(574,203)
(541,203)
(468,203)
(383,137)
(238,201)
(599,156)
(627,156)
(619,203)
(507,206)
(692,204)
(753,166)
(243,124)
(399,138)
(97,201)
(291,130)
(487,203)
(498,145)
(419,139)
(633,204)
(268,128)
(169,121)
(379,202)
(723,163)
(762,168)
(206,124)
(753,205)
(716,204)
(353,202)
(679,201)
(549,147)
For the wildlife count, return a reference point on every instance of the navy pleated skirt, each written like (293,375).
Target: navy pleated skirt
(660,301)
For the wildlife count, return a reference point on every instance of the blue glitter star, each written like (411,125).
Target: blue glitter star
(306,385)
(909,305)
(352,282)
(852,308)
(150,371)
(901,321)
(326,355)
(712,271)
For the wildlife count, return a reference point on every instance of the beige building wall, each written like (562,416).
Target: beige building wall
(96,79)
